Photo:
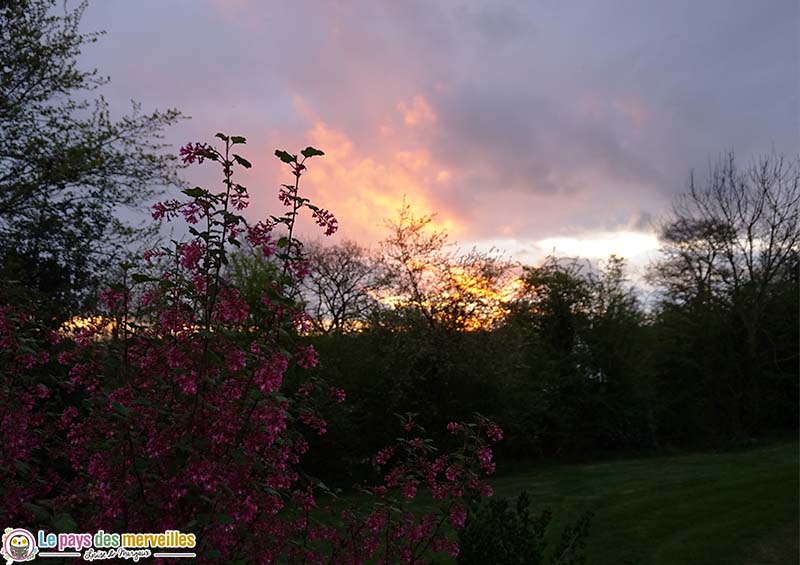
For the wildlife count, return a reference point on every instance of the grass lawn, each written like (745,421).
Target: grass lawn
(718,508)
(732,508)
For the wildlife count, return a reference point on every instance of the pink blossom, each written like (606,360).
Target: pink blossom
(451,474)
(302,322)
(455,428)
(231,309)
(112,298)
(191,253)
(485,460)
(268,377)
(235,360)
(260,235)
(240,201)
(194,152)
(384,455)
(307,357)
(68,415)
(376,521)
(314,422)
(410,490)
(338,395)
(192,212)
(458,516)
(285,196)
(150,253)
(494,433)
(166,210)
(447,546)
(326,219)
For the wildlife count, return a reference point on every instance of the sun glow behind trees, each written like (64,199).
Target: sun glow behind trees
(469,302)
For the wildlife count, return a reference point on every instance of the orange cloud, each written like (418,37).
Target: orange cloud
(364,186)
(418,112)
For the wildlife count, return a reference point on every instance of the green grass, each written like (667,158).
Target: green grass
(732,508)
(720,508)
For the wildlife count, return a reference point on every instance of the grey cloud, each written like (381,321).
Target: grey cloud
(609,104)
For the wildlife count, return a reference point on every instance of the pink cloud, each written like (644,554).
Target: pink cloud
(418,112)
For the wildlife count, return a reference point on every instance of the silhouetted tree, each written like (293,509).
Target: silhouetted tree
(339,287)
(726,258)
(66,167)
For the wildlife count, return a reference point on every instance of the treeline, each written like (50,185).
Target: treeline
(567,356)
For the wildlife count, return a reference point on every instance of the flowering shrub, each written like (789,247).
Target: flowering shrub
(182,419)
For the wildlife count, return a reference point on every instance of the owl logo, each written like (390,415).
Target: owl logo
(18,545)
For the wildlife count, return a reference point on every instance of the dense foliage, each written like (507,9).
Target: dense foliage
(67,167)
(502,534)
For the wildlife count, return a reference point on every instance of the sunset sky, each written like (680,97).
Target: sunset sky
(530,126)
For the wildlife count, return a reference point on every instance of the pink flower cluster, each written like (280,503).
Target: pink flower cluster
(307,357)
(260,235)
(326,219)
(112,298)
(191,253)
(166,210)
(194,152)
(185,417)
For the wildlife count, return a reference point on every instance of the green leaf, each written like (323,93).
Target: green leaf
(189,525)
(311,152)
(242,161)
(231,218)
(283,242)
(138,278)
(222,136)
(40,513)
(195,192)
(64,523)
(22,468)
(238,139)
(285,157)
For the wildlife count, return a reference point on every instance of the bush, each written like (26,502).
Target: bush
(499,534)
(173,409)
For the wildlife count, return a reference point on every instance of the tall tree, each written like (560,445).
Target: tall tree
(421,273)
(66,167)
(338,287)
(727,257)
